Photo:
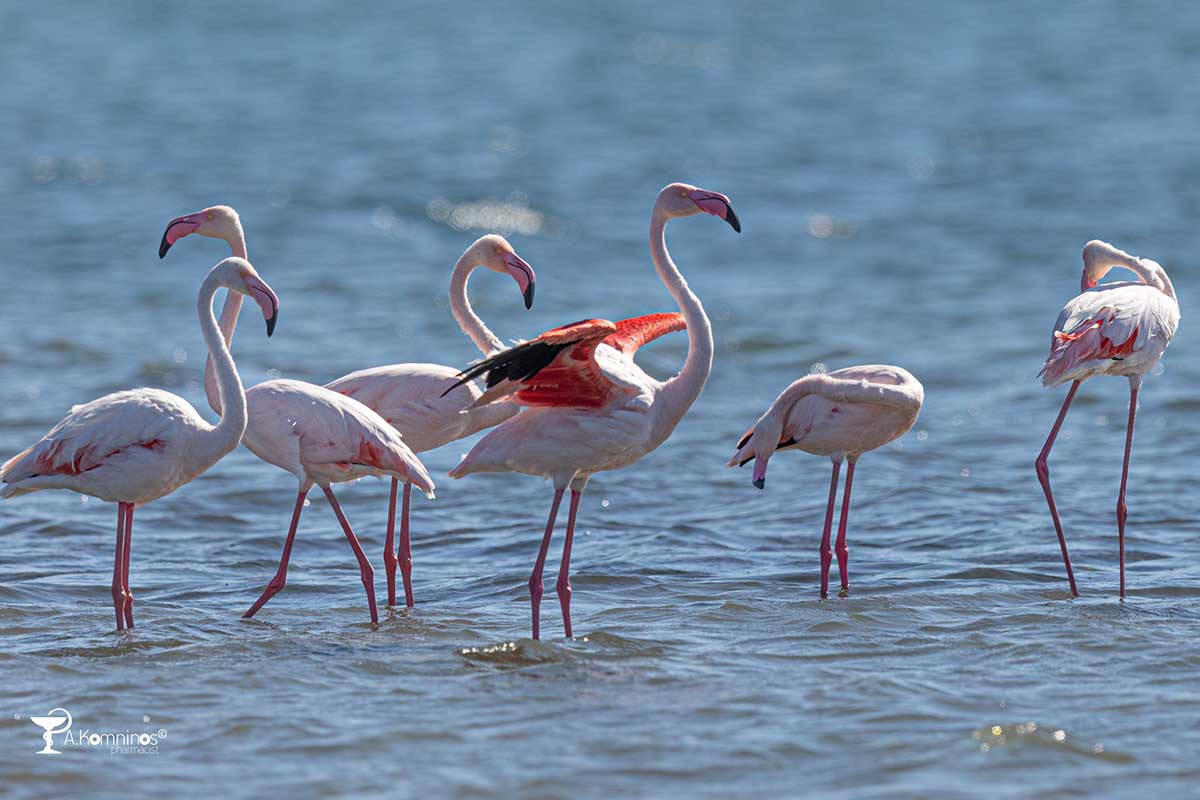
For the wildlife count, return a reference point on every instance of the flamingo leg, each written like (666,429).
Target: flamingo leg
(118,590)
(364,565)
(843,552)
(563,587)
(405,558)
(280,578)
(826,550)
(1043,473)
(535,579)
(125,566)
(1122,511)
(389,544)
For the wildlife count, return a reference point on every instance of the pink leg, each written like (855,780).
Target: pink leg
(1043,473)
(280,578)
(564,572)
(125,566)
(1122,512)
(535,580)
(118,590)
(843,553)
(406,547)
(389,544)
(364,566)
(826,550)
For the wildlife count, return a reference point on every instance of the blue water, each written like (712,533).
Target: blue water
(915,183)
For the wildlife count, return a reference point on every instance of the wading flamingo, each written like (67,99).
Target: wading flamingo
(1110,329)
(136,446)
(593,409)
(841,415)
(416,399)
(314,433)
(411,397)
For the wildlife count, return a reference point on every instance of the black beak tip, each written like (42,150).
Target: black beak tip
(271,323)
(163,247)
(761,483)
(528,294)
(733,221)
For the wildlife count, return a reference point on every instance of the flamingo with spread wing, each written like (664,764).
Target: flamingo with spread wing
(1109,329)
(590,407)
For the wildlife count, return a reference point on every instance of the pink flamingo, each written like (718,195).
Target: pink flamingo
(412,398)
(416,399)
(593,408)
(316,434)
(1110,329)
(136,446)
(841,415)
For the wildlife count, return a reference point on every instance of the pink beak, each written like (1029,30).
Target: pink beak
(759,478)
(716,204)
(267,301)
(1086,282)
(523,274)
(177,229)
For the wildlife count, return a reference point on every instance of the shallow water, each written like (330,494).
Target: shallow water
(914,189)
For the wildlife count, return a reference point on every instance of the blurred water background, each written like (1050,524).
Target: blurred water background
(915,182)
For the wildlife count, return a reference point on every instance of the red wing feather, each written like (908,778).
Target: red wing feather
(633,333)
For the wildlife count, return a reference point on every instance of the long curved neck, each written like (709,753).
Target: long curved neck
(225,436)
(678,394)
(229,318)
(845,390)
(460,306)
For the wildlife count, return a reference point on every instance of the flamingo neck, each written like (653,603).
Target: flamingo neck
(678,393)
(460,306)
(230,395)
(229,318)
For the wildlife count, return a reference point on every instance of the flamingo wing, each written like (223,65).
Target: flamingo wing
(95,432)
(637,331)
(557,368)
(1110,323)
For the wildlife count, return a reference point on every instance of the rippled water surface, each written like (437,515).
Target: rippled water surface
(915,187)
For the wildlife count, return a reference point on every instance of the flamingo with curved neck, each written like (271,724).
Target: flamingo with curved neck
(1109,329)
(136,446)
(318,435)
(591,407)
(412,397)
(841,415)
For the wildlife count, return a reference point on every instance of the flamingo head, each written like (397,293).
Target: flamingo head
(1100,257)
(760,444)
(684,200)
(217,222)
(495,253)
(239,275)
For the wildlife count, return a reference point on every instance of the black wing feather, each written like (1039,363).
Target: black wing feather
(514,364)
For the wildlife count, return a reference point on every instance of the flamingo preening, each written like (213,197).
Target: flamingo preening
(136,446)
(412,398)
(841,415)
(592,408)
(318,435)
(1109,329)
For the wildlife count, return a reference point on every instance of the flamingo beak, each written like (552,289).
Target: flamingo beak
(522,273)
(179,228)
(716,204)
(267,301)
(759,479)
(1087,282)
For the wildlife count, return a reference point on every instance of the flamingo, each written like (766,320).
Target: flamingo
(410,397)
(319,436)
(416,399)
(592,408)
(841,415)
(135,446)
(1109,329)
